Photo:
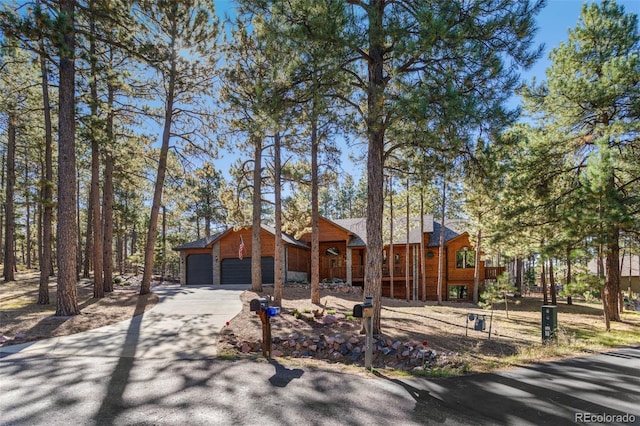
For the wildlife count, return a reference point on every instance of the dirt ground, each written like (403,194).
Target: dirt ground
(444,328)
(23,320)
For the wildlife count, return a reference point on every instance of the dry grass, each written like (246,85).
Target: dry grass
(23,320)
(514,340)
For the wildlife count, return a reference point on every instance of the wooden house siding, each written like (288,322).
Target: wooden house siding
(230,243)
(298,259)
(338,260)
(328,231)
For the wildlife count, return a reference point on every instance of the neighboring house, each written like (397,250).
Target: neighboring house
(629,271)
(343,257)
(218,259)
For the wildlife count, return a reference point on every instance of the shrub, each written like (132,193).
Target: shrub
(497,292)
(587,285)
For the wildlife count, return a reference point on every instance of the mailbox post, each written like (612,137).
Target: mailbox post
(265,312)
(365,311)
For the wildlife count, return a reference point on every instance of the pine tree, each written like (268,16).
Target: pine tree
(589,102)
(180,46)
(395,74)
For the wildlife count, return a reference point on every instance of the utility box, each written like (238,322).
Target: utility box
(549,322)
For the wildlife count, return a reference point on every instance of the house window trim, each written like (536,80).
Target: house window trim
(450,287)
(468,258)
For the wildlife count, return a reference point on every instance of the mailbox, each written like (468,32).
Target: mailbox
(261,307)
(480,323)
(364,310)
(357,310)
(272,311)
(257,305)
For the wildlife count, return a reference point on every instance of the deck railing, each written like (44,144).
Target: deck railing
(493,272)
(357,272)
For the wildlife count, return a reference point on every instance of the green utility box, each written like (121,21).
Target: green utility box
(549,322)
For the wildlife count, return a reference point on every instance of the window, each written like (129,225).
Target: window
(333,251)
(465,258)
(457,292)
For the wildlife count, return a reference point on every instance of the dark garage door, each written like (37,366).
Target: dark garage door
(237,271)
(199,269)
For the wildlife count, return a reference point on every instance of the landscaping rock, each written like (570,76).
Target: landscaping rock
(329,319)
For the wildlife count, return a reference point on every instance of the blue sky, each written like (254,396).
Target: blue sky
(553,24)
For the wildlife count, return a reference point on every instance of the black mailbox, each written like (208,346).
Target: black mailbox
(357,310)
(364,309)
(257,305)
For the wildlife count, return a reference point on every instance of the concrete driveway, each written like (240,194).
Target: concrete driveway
(159,369)
(184,325)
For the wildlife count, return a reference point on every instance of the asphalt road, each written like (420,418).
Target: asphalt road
(82,390)
(160,369)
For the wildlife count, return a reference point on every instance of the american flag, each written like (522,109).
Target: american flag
(241,249)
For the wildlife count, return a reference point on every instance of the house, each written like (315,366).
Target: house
(410,263)
(629,271)
(219,259)
(343,253)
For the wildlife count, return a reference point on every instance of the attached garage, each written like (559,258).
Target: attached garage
(199,269)
(215,260)
(238,271)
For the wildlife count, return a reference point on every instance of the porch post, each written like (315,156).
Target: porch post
(183,268)
(349,265)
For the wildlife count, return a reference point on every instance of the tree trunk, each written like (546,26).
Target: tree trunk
(391,254)
(315,225)
(88,246)
(96,215)
(519,276)
(27,203)
(120,244)
(569,276)
(612,282)
(441,260)
(543,281)
(256,225)
(406,247)
(552,284)
(2,209)
(375,157)
(47,189)
(9,204)
(423,275)
(476,268)
(67,299)
(108,198)
(152,232)
(279,247)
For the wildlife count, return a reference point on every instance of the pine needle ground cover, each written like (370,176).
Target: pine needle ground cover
(423,327)
(443,330)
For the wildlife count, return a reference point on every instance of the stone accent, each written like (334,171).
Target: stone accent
(215,257)
(337,286)
(409,356)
